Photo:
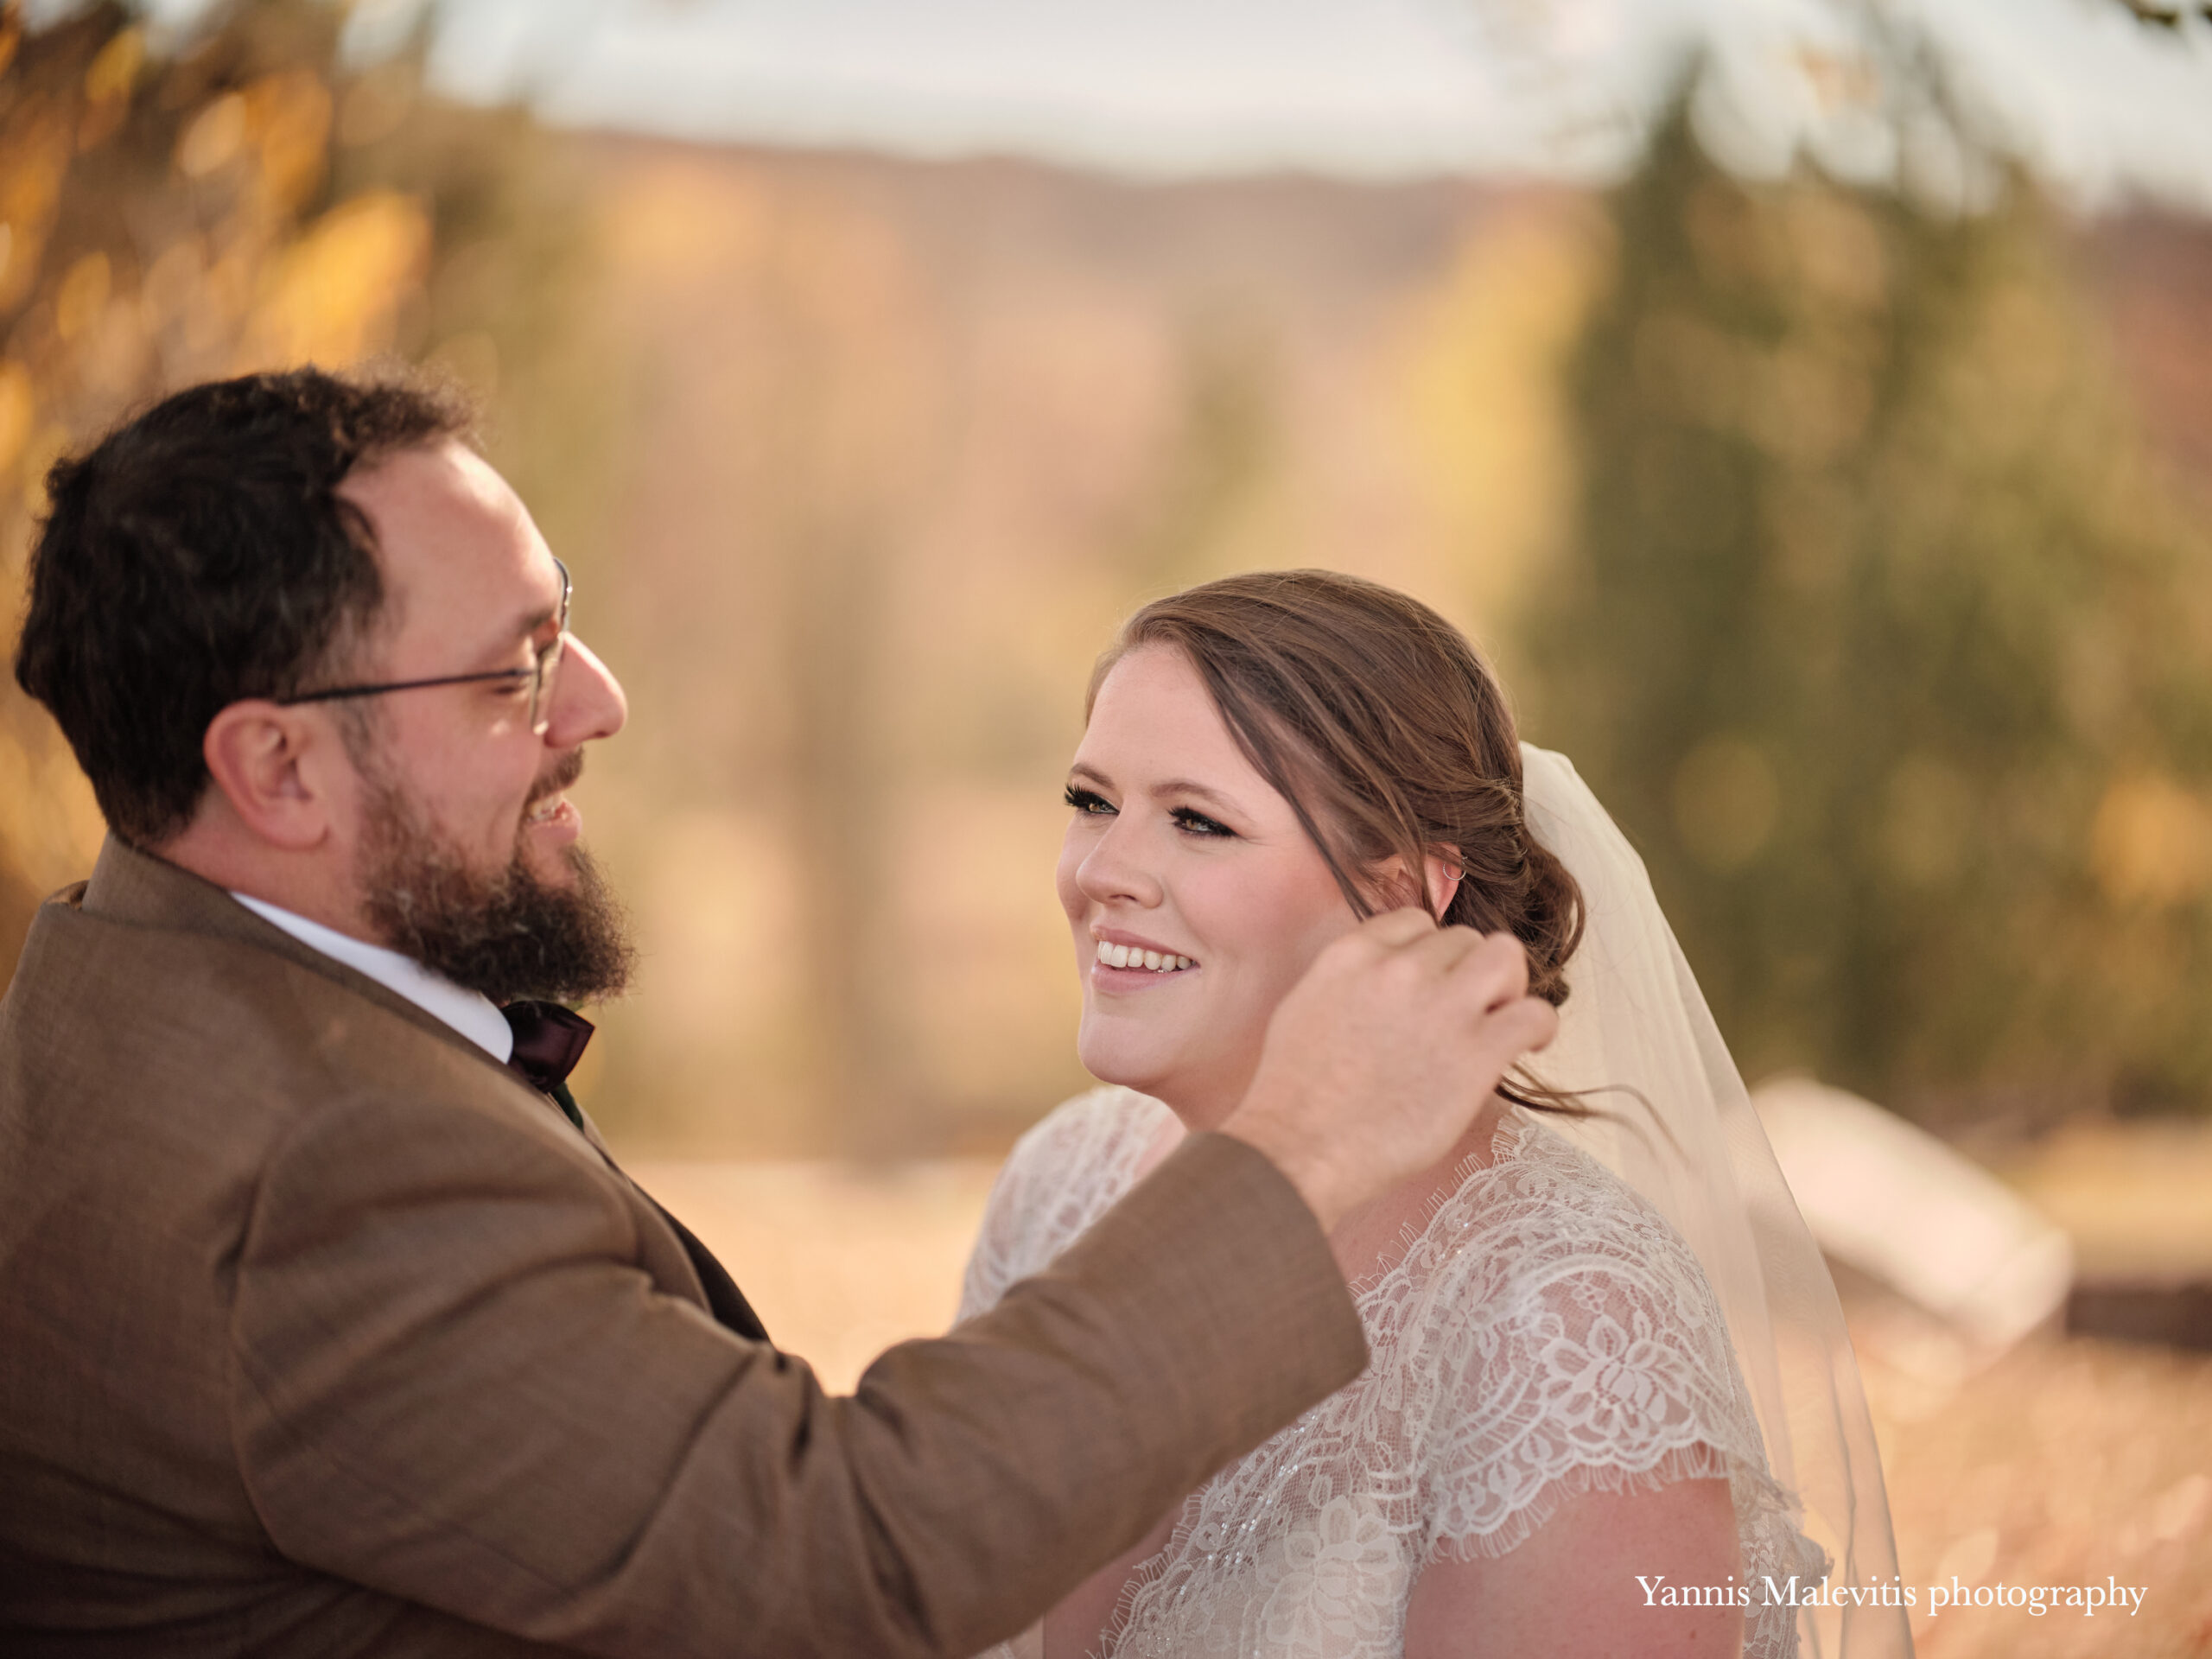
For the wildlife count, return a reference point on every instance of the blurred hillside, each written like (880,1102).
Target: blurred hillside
(899,445)
(917,434)
(858,462)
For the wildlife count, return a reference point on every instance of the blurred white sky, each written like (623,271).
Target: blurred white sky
(2100,103)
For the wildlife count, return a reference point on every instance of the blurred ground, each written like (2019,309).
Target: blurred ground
(2069,1461)
(2136,1199)
(839,1262)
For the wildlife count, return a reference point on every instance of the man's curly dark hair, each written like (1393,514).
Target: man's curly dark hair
(200,554)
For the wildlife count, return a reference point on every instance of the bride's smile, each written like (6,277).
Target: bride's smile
(1181,853)
(1121,958)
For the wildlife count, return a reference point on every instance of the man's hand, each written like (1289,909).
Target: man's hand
(1378,1060)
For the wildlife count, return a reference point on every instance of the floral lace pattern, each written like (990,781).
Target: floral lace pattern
(1546,1333)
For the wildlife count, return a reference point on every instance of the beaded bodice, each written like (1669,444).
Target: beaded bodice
(1545,1333)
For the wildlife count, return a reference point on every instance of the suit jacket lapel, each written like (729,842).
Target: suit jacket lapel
(724,1298)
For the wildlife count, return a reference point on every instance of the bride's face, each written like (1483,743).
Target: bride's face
(1181,853)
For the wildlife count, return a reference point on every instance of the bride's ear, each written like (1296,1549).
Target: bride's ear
(1441,875)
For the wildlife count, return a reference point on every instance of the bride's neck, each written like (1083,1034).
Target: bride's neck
(1369,1240)
(1199,1116)
(1204,1103)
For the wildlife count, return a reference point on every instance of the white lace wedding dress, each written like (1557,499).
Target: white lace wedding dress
(1546,1333)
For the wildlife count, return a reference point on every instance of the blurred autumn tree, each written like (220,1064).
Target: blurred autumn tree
(1886,644)
(173,209)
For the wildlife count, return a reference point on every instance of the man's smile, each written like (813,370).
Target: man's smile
(548,809)
(556,814)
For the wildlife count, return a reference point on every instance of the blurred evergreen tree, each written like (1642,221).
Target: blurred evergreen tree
(1886,647)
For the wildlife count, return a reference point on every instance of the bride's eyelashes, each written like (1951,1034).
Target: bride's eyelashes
(1091,803)
(1198,824)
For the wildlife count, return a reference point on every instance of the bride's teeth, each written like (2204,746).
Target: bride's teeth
(1129,956)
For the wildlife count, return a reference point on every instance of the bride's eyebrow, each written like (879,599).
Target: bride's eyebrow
(1185,786)
(1191,786)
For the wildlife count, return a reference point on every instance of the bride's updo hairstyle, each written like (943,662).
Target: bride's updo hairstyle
(1375,718)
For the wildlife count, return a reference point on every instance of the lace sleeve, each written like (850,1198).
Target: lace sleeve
(1582,1350)
(993,1262)
(1004,1246)
(1592,1383)
(1060,1177)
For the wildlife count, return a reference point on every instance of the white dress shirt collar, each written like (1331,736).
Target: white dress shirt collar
(475,1017)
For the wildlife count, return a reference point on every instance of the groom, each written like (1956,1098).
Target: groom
(327,1326)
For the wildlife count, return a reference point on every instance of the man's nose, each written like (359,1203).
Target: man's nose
(587,700)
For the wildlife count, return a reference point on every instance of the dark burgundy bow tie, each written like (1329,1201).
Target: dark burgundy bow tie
(549,1041)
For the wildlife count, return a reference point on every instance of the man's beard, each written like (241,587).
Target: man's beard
(508,935)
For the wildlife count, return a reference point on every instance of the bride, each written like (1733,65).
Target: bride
(1609,1408)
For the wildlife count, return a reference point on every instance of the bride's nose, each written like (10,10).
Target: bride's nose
(1115,869)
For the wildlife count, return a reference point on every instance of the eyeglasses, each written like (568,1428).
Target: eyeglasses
(539,674)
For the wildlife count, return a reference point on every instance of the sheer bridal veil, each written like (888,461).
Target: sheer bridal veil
(1635,1019)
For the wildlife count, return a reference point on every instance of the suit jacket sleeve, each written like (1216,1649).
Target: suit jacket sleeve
(452,1380)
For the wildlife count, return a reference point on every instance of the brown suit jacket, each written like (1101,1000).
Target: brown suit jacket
(320,1333)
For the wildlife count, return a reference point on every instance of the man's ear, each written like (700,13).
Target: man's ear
(271,763)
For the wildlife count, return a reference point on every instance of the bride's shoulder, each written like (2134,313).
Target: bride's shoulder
(1553,1319)
(1088,1132)
(1546,1230)
(1076,1161)
(1543,1197)
(1061,1176)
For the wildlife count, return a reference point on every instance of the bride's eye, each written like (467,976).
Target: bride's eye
(1088,801)
(1198,824)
